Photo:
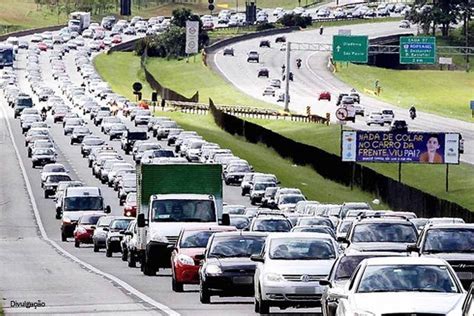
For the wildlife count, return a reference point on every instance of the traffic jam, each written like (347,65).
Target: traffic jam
(173,187)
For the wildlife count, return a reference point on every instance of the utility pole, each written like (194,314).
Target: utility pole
(287,76)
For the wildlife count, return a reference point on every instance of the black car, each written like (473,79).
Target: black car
(253,56)
(263,72)
(399,126)
(451,242)
(339,98)
(226,268)
(264,43)
(228,51)
(113,241)
(280,39)
(129,139)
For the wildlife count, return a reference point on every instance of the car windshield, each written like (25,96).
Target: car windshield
(239,222)
(120,224)
(195,239)
(302,249)
(384,232)
(183,211)
(90,219)
(449,240)
(54,168)
(57,178)
(344,227)
(262,186)
(264,179)
(93,142)
(81,130)
(104,221)
(44,151)
(291,199)
(407,278)
(137,136)
(163,153)
(272,225)
(80,203)
(239,168)
(347,265)
(320,229)
(119,127)
(315,221)
(236,246)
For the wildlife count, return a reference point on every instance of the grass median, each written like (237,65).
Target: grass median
(428,178)
(445,93)
(264,159)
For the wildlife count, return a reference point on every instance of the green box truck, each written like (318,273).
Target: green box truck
(169,198)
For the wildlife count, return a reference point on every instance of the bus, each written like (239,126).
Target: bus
(6,55)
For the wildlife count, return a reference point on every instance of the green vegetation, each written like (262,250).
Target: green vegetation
(265,159)
(352,22)
(444,93)
(121,70)
(428,178)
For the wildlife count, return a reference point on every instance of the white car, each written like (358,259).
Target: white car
(388,116)
(404,24)
(290,268)
(400,286)
(269,91)
(375,118)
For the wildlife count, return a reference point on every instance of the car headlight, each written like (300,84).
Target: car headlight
(213,269)
(159,238)
(128,213)
(186,260)
(273,277)
(363,313)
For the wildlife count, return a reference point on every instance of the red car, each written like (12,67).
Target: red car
(130,206)
(42,46)
(191,242)
(85,228)
(325,95)
(117,39)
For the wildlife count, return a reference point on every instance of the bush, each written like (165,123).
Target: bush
(295,20)
(264,26)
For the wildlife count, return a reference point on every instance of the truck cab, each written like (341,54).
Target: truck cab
(78,201)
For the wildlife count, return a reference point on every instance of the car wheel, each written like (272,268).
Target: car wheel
(96,247)
(204,295)
(252,201)
(108,252)
(131,259)
(46,194)
(121,202)
(33,165)
(176,286)
(124,254)
(72,143)
(263,306)
(368,124)
(63,236)
(76,243)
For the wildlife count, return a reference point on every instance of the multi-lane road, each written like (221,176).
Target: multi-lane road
(314,77)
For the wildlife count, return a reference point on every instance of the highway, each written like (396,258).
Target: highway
(115,284)
(314,77)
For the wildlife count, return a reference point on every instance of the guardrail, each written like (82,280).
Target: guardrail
(31,31)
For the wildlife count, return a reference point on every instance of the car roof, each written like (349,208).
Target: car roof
(297,235)
(214,227)
(456,225)
(405,261)
(241,233)
(391,220)
(82,191)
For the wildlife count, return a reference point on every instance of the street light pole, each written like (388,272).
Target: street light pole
(287,76)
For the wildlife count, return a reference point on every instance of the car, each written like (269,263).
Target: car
(399,126)
(269,91)
(378,285)
(51,168)
(42,143)
(234,174)
(325,95)
(130,137)
(226,269)
(78,134)
(71,123)
(453,242)
(253,56)
(282,97)
(263,72)
(322,229)
(404,24)
(289,270)
(315,220)
(228,51)
(117,39)
(100,235)
(388,116)
(115,232)
(375,118)
(264,43)
(130,205)
(126,186)
(90,142)
(270,222)
(191,242)
(42,156)
(287,202)
(85,229)
(280,39)
(258,190)
(117,130)
(390,234)
(51,182)
(276,83)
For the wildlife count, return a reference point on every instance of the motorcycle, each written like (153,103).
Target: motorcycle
(298,63)
(412,114)
(43,116)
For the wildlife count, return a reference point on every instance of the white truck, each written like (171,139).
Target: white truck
(79,21)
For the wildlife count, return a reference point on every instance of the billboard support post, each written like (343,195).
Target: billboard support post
(399,172)
(353,175)
(447,177)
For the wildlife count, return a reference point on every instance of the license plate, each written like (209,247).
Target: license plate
(305,290)
(465,275)
(243,280)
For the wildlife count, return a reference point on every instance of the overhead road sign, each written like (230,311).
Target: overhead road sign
(350,48)
(417,50)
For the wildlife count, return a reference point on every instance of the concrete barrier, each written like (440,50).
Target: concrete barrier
(31,31)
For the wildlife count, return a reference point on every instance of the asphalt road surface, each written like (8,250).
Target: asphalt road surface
(314,77)
(97,284)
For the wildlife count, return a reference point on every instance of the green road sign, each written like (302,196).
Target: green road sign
(350,48)
(417,50)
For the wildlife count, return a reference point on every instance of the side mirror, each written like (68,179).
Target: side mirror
(105,229)
(325,282)
(257,258)
(93,227)
(226,219)
(122,232)
(128,233)
(341,239)
(108,210)
(412,248)
(200,256)
(141,220)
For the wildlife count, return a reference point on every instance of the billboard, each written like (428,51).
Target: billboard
(192,37)
(406,147)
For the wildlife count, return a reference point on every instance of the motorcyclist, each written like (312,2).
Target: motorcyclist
(298,63)
(283,67)
(412,112)
(44,113)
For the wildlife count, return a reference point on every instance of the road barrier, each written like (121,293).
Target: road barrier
(31,32)
(399,196)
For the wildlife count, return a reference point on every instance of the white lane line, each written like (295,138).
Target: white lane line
(112,278)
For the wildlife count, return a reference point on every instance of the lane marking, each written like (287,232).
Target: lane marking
(85,265)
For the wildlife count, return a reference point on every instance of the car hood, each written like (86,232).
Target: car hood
(413,302)
(191,252)
(379,246)
(313,267)
(234,263)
